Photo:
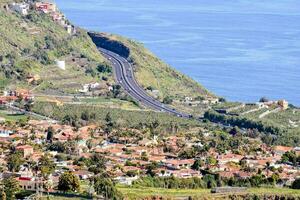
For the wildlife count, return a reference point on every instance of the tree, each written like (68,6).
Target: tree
(296,184)
(109,123)
(46,166)
(197,165)
(234,131)
(2,195)
(68,182)
(50,133)
(210,181)
(289,156)
(28,105)
(14,162)
(256,180)
(85,115)
(211,160)
(144,156)
(167,100)
(116,90)
(273,179)
(151,169)
(104,69)
(105,187)
(11,187)
(97,163)
(153,127)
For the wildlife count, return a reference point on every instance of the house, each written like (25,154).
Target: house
(26,150)
(61,64)
(210,100)
(21,8)
(283,104)
(186,173)
(178,164)
(147,142)
(83,174)
(70,29)
(188,99)
(126,180)
(45,7)
(280,150)
(34,183)
(89,87)
(30,183)
(297,150)
(5,133)
(223,159)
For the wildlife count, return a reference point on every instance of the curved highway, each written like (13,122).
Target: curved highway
(124,76)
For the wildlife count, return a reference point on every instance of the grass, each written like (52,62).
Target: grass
(278,191)
(12,117)
(100,102)
(227,105)
(110,102)
(143,192)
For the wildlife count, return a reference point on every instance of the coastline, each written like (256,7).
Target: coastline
(239,86)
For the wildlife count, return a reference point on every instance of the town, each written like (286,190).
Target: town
(39,152)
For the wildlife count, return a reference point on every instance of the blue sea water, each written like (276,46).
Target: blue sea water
(239,49)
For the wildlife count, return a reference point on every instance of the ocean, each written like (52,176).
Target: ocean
(239,49)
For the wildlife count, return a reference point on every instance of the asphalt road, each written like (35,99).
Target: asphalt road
(123,72)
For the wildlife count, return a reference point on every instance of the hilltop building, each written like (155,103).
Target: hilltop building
(21,8)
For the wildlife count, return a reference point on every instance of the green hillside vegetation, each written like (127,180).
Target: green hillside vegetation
(30,45)
(282,127)
(204,194)
(122,117)
(153,74)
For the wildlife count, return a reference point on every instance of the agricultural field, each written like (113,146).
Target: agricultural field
(129,118)
(142,192)
(246,108)
(226,105)
(101,102)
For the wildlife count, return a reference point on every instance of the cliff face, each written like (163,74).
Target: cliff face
(113,45)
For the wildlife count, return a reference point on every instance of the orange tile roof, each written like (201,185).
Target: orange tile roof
(283,148)
(24,147)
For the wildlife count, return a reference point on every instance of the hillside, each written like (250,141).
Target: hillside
(31,45)
(159,79)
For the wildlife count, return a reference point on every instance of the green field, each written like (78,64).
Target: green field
(9,116)
(103,102)
(126,117)
(140,193)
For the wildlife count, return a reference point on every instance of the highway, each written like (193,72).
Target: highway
(123,72)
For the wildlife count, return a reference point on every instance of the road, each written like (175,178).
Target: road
(123,72)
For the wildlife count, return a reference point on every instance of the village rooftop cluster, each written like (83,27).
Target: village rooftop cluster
(127,158)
